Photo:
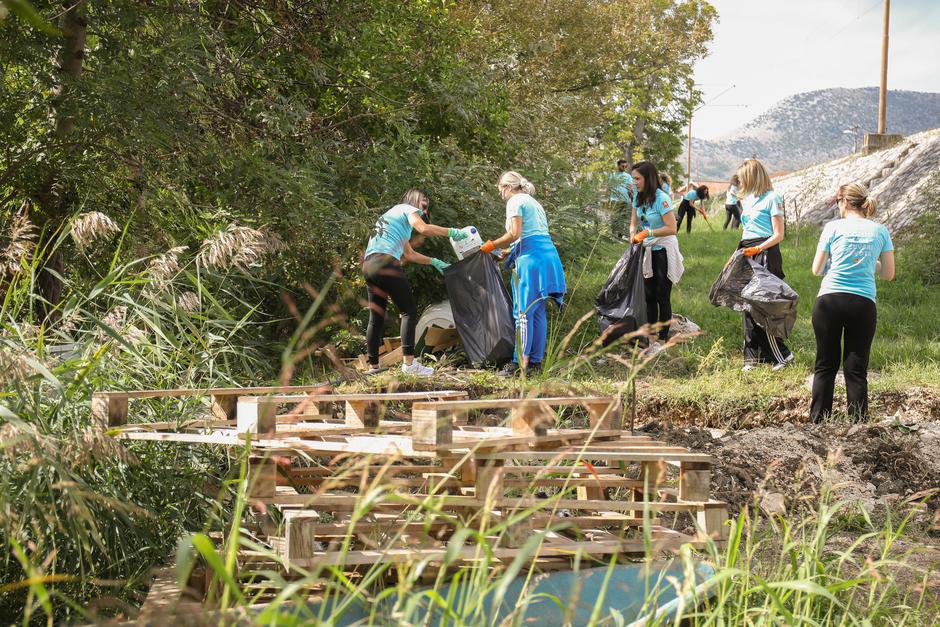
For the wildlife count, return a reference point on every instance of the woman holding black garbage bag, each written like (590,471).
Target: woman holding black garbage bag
(654,217)
(538,275)
(764,227)
(382,267)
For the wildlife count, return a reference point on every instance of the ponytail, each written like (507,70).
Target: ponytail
(856,195)
(516,182)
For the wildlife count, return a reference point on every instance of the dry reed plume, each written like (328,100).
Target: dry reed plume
(21,239)
(14,365)
(188,301)
(88,228)
(164,267)
(238,247)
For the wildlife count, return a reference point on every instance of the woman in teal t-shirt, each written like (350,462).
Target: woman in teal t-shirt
(653,217)
(764,225)
(382,267)
(851,251)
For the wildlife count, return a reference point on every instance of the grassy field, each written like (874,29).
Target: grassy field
(706,371)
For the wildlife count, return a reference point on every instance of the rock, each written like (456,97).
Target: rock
(853,430)
(773,503)
(717,434)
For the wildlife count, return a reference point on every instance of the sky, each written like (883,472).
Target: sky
(771,49)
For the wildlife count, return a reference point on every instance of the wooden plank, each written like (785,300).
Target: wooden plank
(256,416)
(472,553)
(694,485)
(498,442)
(591,454)
(223,406)
(711,521)
(387,397)
(363,414)
(107,411)
(391,358)
(299,536)
(343,503)
(431,429)
(262,476)
(180,392)
(511,403)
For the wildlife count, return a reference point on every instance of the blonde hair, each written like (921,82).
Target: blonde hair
(516,182)
(415,197)
(754,178)
(856,195)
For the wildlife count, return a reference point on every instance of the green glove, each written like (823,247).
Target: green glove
(439,265)
(456,234)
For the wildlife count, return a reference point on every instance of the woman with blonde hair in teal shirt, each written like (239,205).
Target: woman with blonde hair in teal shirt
(851,251)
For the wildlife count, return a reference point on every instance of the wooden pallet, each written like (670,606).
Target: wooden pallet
(590,492)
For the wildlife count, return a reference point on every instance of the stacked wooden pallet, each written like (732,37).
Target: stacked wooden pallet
(385,484)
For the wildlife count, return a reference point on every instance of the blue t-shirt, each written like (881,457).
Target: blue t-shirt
(854,245)
(651,215)
(757,213)
(691,195)
(666,187)
(732,198)
(534,221)
(391,231)
(621,186)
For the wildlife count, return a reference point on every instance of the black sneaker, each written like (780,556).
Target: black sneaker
(509,370)
(533,369)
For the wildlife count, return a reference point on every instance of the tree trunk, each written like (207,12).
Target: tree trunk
(55,197)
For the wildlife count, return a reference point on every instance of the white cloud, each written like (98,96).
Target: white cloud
(771,49)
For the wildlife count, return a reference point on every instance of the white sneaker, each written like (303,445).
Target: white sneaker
(748,367)
(416,369)
(783,364)
(654,348)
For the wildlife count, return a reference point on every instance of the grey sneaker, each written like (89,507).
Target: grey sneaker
(416,369)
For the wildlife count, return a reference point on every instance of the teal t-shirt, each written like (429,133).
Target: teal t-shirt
(691,195)
(757,213)
(391,231)
(732,198)
(621,187)
(534,221)
(854,246)
(666,187)
(651,215)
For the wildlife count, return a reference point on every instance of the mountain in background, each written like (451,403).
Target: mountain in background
(808,128)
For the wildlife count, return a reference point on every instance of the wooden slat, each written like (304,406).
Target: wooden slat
(386,397)
(512,403)
(181,392)
(597,454)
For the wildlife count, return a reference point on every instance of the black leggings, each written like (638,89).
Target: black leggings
(758,346)
(385,279)
(855,317)
(685,210)
(659,292)
(732,212)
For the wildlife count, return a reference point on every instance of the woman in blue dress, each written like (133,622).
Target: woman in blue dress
(538,276)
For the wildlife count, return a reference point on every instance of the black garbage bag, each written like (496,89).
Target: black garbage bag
(482,309)
(745,285)
(622,301)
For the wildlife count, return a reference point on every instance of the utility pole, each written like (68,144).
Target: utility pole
(688,164)
(883,95)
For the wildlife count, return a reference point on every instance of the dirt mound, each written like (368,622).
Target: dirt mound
(874,465)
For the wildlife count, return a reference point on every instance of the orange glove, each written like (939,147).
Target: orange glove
(642,235)
(488,247)
(750,251)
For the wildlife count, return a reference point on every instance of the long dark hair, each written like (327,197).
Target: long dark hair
(650,183)
(702,192)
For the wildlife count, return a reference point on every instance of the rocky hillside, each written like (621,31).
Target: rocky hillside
(808,128)
(904,180)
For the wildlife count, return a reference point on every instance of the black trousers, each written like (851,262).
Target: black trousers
(854,318)
(686,210)
(385,279)
(758,346)
(659,292)
(732,216)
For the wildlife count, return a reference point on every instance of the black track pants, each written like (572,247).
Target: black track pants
(659,292)
(838,318)
(385,279)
